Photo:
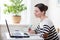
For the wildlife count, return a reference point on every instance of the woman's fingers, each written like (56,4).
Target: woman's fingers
(32,32)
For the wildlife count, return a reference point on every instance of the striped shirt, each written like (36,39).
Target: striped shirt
(46,26)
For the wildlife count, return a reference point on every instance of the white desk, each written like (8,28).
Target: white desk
(30,38)
(12,29)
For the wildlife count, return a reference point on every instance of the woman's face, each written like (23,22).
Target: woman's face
(37,12)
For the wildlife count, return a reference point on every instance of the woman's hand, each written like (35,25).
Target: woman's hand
(45,35)
(31,32)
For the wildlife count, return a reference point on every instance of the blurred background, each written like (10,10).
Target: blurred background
(28,17)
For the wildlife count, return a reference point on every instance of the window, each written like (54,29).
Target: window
(25,14)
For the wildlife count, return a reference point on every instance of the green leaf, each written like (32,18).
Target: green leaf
(16,7)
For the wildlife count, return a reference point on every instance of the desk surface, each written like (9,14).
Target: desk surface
(30,38)
(5,35)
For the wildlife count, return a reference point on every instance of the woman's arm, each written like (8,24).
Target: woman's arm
(45,35)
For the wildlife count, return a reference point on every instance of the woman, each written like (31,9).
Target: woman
(46,27)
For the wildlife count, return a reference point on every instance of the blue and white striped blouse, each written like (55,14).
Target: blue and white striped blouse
(46,26)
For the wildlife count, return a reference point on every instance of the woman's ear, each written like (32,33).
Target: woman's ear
(43,12)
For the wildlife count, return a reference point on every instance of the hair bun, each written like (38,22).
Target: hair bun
(46,8)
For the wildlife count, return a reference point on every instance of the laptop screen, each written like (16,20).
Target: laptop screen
(7,27)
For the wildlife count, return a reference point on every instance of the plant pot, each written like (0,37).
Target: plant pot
(16,19)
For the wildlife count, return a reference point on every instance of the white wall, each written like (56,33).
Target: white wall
(54,12)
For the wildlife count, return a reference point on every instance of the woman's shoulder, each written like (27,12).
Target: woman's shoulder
(48,22)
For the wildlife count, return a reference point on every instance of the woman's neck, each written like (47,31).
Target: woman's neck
(43,17)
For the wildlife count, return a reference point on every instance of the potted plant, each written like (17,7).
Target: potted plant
(15,8)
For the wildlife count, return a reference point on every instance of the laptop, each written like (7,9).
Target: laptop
(14,35)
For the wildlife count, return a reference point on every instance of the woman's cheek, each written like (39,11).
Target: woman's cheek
(37,14)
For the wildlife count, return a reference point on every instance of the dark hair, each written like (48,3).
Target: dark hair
(42,7)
